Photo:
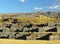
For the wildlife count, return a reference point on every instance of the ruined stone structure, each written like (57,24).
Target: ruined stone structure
(12,28)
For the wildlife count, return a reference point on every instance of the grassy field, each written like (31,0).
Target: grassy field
(38,20)
(5,41)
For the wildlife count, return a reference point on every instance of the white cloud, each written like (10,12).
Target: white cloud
(56,6)
(22,0)
(38,8)
(53,7)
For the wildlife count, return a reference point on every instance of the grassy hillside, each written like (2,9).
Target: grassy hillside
(38,20)
(5,41)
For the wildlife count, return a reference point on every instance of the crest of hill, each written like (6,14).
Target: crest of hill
(49,14)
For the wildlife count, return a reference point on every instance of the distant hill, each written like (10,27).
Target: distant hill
(49,14)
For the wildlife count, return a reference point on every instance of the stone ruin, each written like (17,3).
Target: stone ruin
(11,28)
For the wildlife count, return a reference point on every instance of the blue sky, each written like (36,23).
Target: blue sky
(11,6)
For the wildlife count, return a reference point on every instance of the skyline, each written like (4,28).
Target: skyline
(12,6)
